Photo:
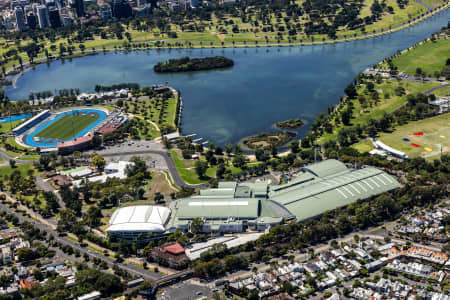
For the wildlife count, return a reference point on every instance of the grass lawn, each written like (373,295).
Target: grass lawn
(160,184)
(186,173)
(363,146)
(429,56)
(108,107)
(433,3)
(388,105)
(155,110)
(36,202)
(29,157)
(6,127)
(12,142)
(361,115)
(442,92)
(436,132)
(22,168)
(412,9)
(200,33)
(62,128)
(68,171)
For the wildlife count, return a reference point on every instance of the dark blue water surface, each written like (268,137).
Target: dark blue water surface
(266,85)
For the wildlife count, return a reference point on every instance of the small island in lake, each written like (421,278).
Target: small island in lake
(268,140)
(290,124)
(186,64)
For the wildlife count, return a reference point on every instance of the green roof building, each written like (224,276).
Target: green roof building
(323,186)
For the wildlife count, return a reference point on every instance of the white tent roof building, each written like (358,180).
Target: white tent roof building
(132,221)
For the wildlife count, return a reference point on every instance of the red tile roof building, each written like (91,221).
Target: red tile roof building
(172,256)
(110,127)
(77,144)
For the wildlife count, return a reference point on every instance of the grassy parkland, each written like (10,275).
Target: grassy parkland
(430,56)
(375,99)
(155,113)
(436,137)
(67,127)
(223,27)
(394,109)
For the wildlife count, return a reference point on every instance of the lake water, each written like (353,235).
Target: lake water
(266,85)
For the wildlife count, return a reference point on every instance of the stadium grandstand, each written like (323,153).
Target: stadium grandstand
(77,144)
(68,130)
(31,122)
(114,120)
(233,207)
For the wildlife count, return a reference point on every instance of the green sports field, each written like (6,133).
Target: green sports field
(62,128)
(436,133)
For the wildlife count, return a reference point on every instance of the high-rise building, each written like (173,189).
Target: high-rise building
(21,3)
(35,7)
(7,22)
(79,7)
(106,11)
(50,3)
(20,19)
(54,18)
(121,9)
(65,16)
(32,21)
(42,13)
(27,9)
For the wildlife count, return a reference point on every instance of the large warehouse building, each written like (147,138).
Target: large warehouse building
(234,207)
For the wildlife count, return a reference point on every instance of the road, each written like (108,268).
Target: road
(428,7)
(436,88)
(156,279)
(113,153)
(7,159)
(46,186)
(263,267)
(132,269)
(169,162)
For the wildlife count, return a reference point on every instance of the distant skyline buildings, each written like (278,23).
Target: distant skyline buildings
(54,18)
(121,9)
(20,19)
(79,7)
(32,21)
(42,13)
(105,11)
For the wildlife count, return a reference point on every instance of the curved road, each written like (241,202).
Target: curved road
(436,88)
(428,7)
(170,164)
(6,158)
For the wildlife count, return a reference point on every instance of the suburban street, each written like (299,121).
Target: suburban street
(132,269)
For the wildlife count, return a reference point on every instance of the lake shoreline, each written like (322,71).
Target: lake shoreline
(366,36)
